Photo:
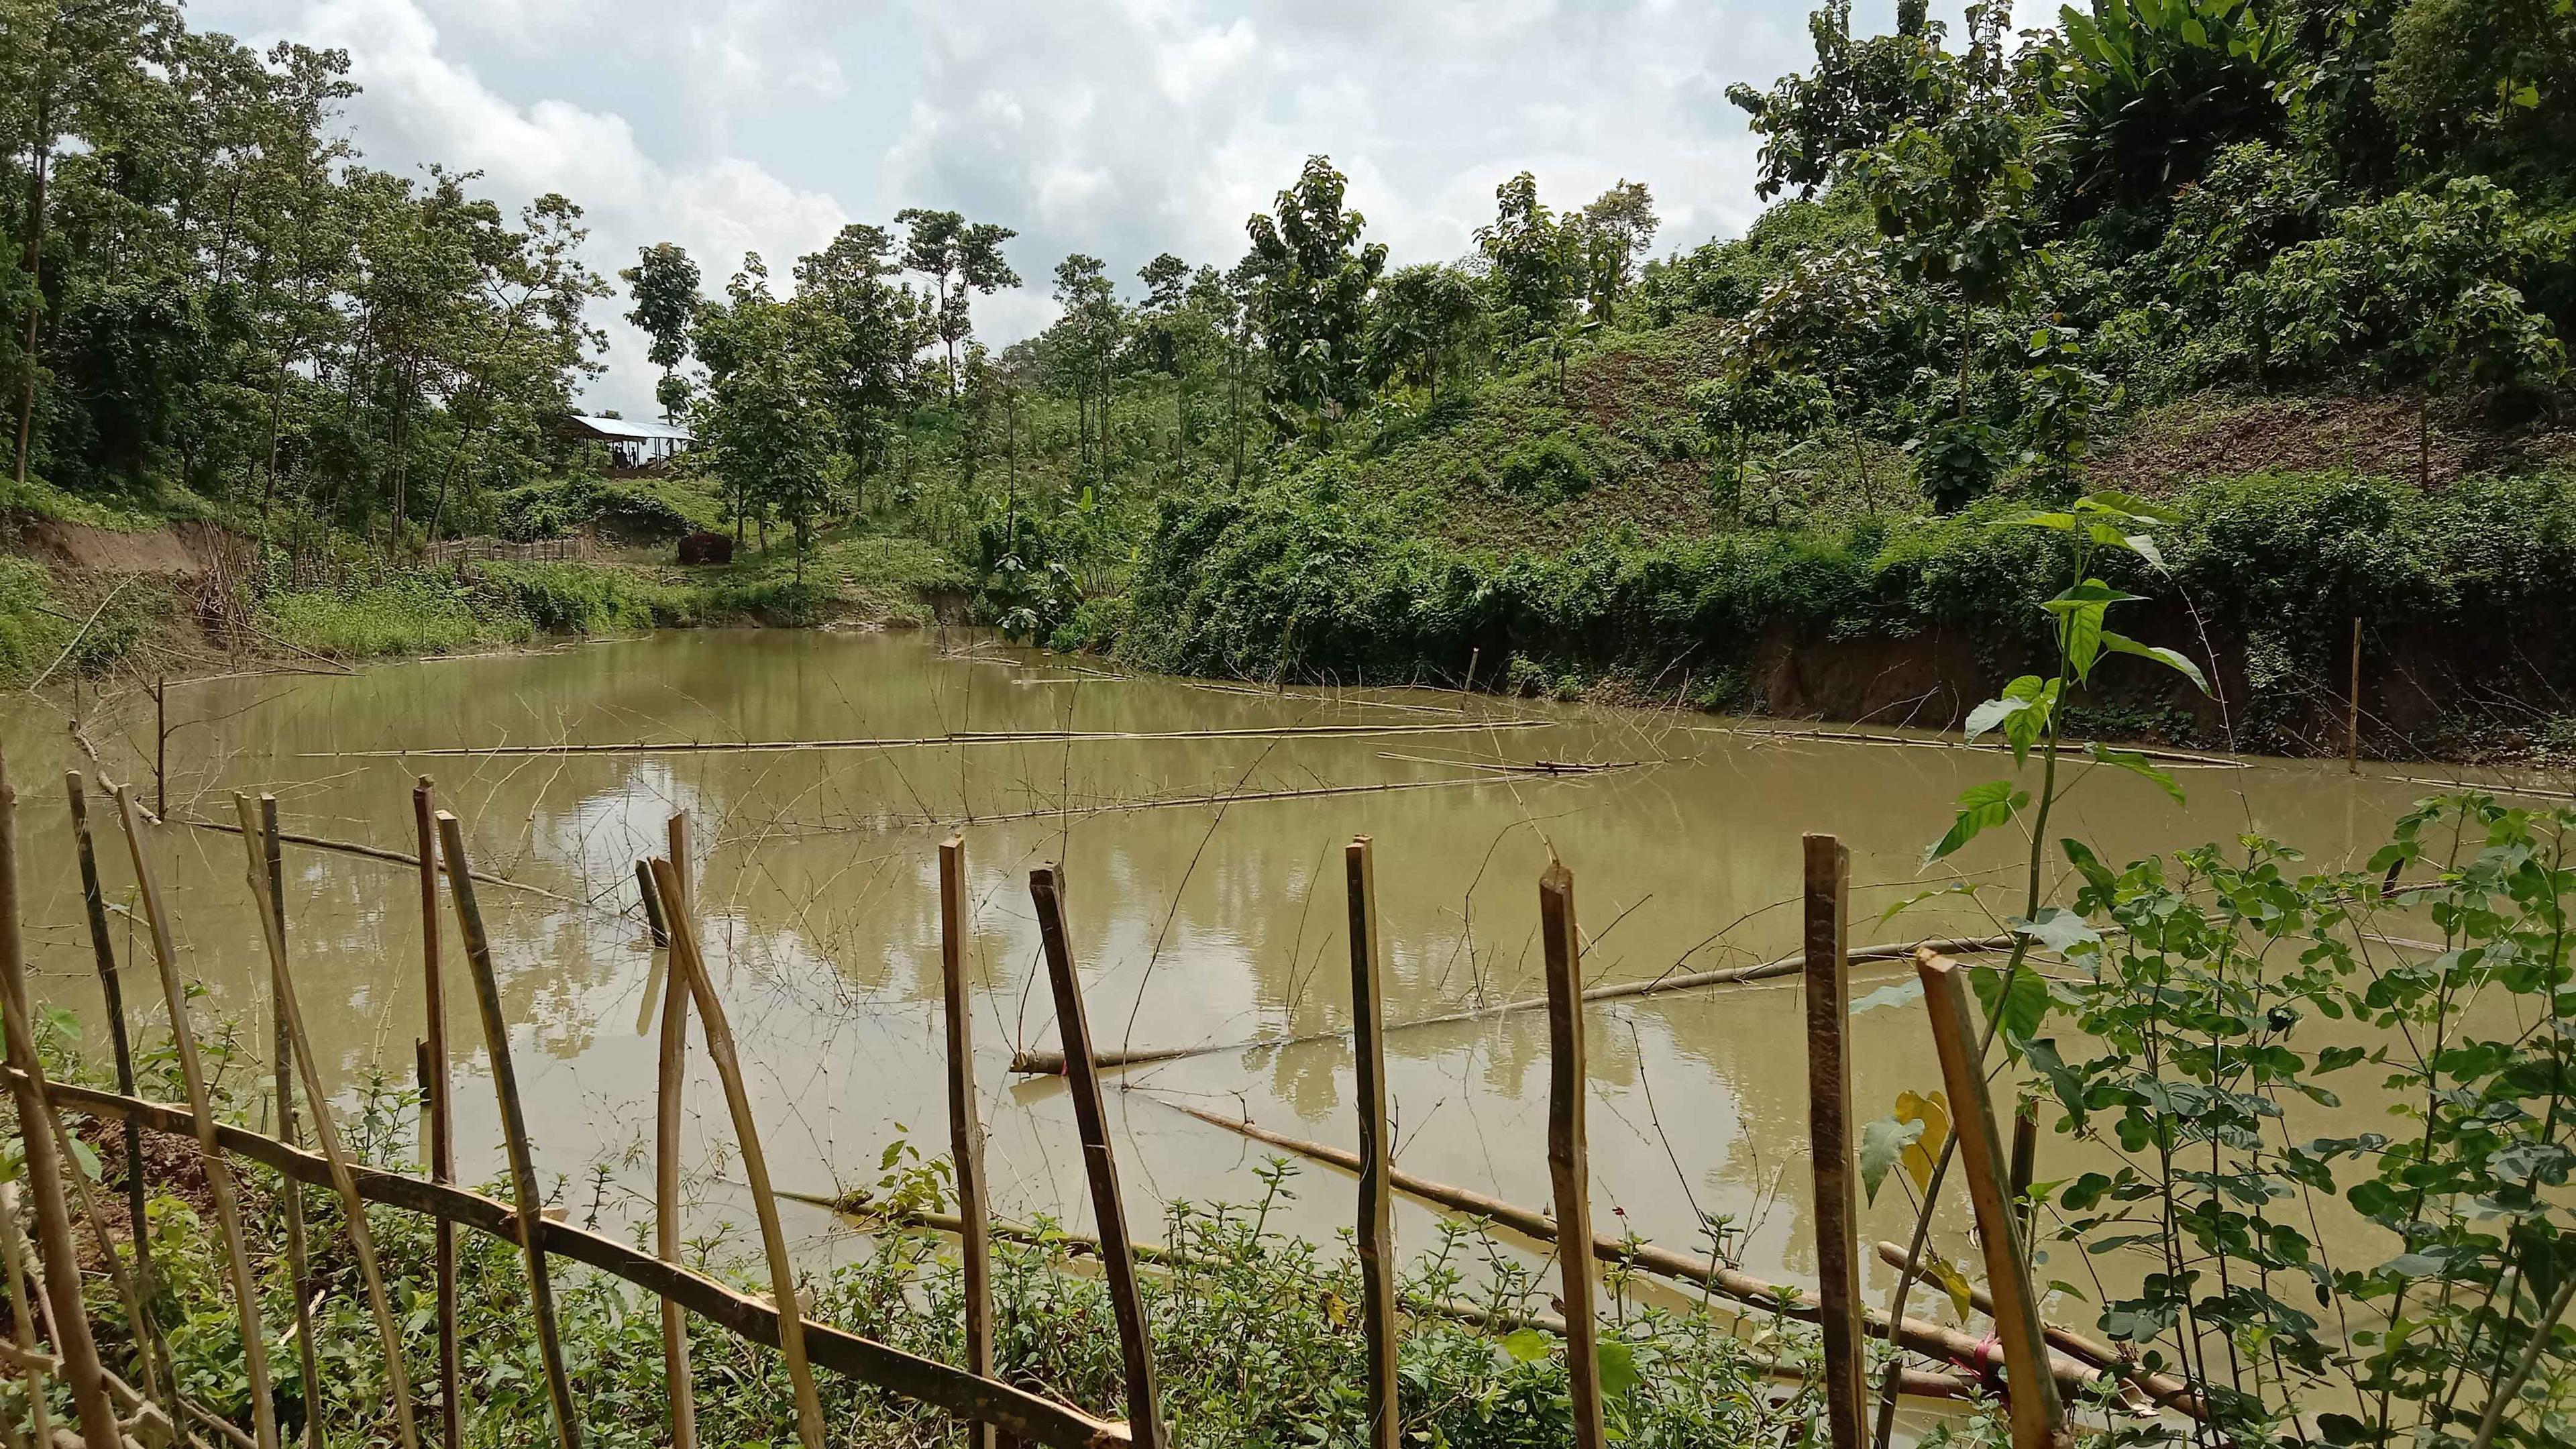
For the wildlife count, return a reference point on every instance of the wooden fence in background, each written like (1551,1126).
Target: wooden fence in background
(110,1407)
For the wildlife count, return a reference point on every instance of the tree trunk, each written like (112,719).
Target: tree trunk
(39,149)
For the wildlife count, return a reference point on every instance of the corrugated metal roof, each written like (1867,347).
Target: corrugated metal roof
(628,428)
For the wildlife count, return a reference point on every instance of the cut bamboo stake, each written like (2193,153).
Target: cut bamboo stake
(660,933)
(689,965)
(219,1174)
(264,880)
(2352,702)
(1051,1064)
(670,1079)
(42,1159)
(965,1122)
(267,865)
(2025,1155)
(1828,872)
(1117,1256)
(1568,1160)
(962,737)
(102,944)
(2038,1419)
(527,1201)
(33,1367)
(1377,1219)
(685,903)
(438,1095)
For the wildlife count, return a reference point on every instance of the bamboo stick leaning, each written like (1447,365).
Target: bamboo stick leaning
(688,966)
(1376,1226)
(527,1201)
(219,1176)
(267,865)
(439,1106)
(260,842)
(43,1158)
(1829,1113)
(33,1366)
(670,1079)
(1568,1155)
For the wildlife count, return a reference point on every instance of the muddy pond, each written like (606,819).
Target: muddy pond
(1214,917)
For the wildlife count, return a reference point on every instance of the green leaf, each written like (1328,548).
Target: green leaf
(1907,903)
(1894,993)
(2122,644)
(1617,1366)
(2019,1004)
(1981,808)
(2058,522)
(1882,1143)
(1525,1345)
(2056,928)
(2140,766)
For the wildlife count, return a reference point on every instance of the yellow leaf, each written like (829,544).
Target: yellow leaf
(1933,1112)
(1952,1281)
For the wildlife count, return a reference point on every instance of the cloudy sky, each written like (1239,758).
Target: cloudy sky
(1122,128)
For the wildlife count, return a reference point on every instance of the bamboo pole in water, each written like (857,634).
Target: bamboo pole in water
(1117,1256)
(439,1099)
(1039,1062)
(1569,1166)
(1376,1207)
(960,737)
(526,1200)
(111,987)
(1829,1110)
(42,1157)
(219,1174)
(2038,1418)
(264,881)
(965,1121)
(670,1078)
(267,865)
(689,964)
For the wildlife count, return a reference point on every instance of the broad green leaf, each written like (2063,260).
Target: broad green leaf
(1907,903)
(2144,547)
(1881,1143)
(1617,1363)
(1981,808)
(1991,715)
(2056,928)
(2020,1005)
(1894,993)
(1525,1345)
(2140,766)
(2059,522)
(2095,873)
(2122,644)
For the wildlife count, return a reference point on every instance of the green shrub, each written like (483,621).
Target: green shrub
(410,616)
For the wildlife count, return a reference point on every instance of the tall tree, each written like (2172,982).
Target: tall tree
(663,284)
(866,330)
(959,257)
(1536,260)
(1618,230)
(1311,280)
(1426,316)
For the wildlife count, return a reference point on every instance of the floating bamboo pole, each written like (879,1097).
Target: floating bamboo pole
(965,1121)
(2038,1418)
(1864,737)
(670,1080)
(42,1157)
(264,881)
(1039,1062)
(1376,1209)
(267,865)
(1030,1416)
(689,966)
(219,1175)
(1568,1158)
(102,944)
(1117,1257)
(1937,1340)
(527,1199)
(960,737)
(438,1098)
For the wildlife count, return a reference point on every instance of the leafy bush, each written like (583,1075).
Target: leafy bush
(642,509)
(1548,469)
(410,616)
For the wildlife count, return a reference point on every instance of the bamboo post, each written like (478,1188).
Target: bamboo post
(267,865)
(2352,704)
(438,1101)
(688,964)
(1568,1165)
(102,944)
(671,1076)
(22,1321)
(2025,1160)
(527,1202)
(161,747)
(42,1159)
(2038,1418)
(219,1175)
(259,840)
(1829,1111)
(1377,1198)
(966,1123)
(1082,1077)
(683,900)
(661,934)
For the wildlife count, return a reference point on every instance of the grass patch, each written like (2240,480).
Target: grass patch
(410,616)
